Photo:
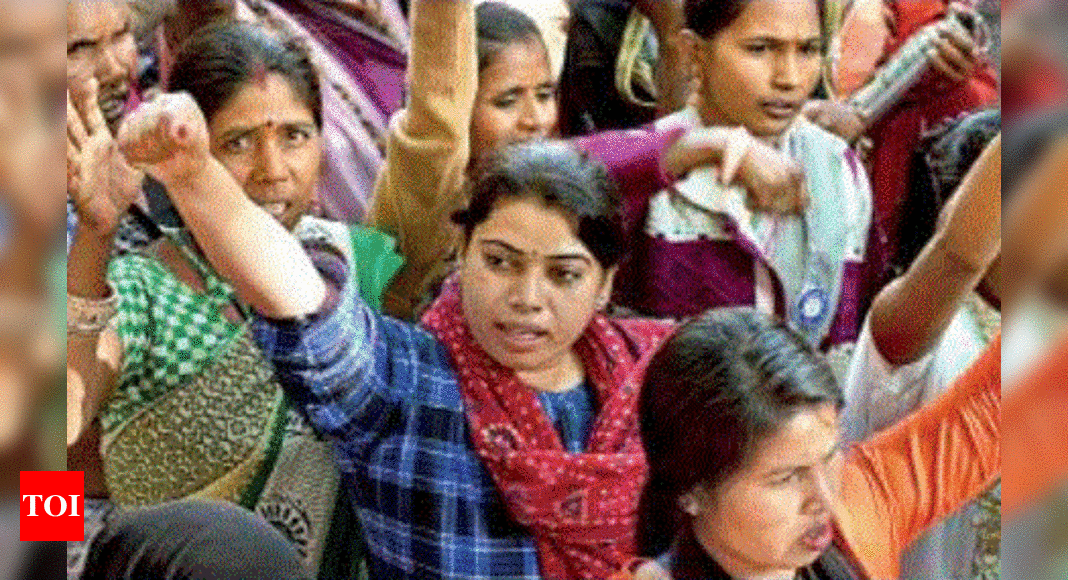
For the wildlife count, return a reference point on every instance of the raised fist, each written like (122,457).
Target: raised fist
(167,138)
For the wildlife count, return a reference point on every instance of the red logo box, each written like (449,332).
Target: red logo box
(51,506)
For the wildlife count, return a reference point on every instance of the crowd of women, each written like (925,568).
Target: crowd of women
(353,292)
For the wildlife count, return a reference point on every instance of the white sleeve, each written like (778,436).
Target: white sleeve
(859,206)
(877,393)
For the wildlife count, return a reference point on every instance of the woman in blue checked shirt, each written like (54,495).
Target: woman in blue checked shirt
(498,439)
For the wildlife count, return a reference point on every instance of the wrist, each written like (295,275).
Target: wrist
(694,149)
(88,259)
(182,177)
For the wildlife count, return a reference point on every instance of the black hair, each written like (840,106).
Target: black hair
(499,26)
(718,387)
(562,178)
(218,60)
(938,167)
(707,18)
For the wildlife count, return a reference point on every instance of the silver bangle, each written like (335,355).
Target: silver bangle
(90,316)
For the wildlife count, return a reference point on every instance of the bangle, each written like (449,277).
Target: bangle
(89,316)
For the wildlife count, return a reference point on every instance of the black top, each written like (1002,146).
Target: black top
(688,560)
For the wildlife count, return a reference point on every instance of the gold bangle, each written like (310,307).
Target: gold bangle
(90,316)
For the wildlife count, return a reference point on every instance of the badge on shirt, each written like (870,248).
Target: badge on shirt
(812,308)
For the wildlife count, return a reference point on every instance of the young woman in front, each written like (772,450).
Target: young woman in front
(748,475)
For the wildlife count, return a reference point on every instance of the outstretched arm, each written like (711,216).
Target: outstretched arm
(326,347)
(643,162)
(266,265)
(911,314)
(428,149)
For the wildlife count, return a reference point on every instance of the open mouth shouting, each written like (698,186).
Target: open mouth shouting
(521,337)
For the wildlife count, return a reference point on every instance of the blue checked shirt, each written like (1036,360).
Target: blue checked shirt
(385,393)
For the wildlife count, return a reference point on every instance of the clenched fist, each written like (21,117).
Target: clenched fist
(775,183)
(167,138)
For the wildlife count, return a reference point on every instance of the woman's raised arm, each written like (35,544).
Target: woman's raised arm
(428,149)
(267,266)
(912,313)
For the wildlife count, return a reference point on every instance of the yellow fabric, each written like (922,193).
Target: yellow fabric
(427,152)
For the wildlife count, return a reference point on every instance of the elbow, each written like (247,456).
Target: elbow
(437,118)
(894,329)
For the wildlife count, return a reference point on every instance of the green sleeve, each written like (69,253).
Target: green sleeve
(376,262)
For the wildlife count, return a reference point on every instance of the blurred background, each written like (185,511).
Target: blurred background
(1034,91)
(32,266)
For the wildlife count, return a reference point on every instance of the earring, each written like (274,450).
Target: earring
(689,505)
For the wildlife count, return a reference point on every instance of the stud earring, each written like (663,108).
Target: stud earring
(689,505)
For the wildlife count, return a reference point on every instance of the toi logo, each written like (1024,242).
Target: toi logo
(51,506)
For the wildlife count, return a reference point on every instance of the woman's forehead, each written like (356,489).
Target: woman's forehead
(788,20)
(804,439)
(521,62)
(531,227)
(259,100)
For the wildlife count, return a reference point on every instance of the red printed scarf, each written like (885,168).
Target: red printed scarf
(581,508)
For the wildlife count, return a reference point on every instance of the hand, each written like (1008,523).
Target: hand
(836,117)
(955,55)
(99,181)
(775,183)
(168,138)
